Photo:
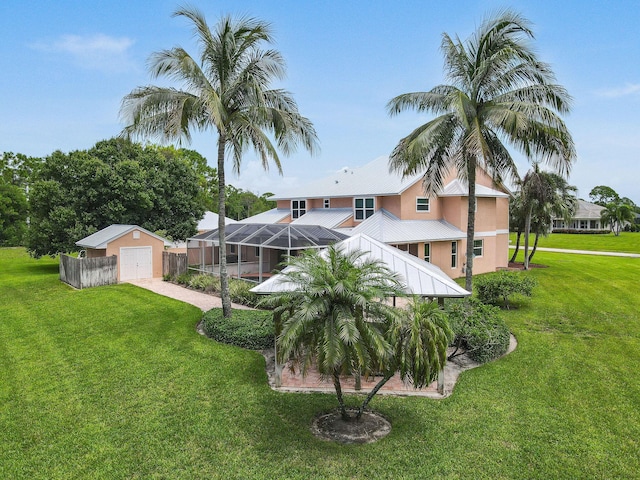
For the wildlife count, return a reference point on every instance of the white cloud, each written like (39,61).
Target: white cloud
(628,89)
(95,52)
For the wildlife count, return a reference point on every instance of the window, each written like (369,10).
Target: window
(478,247)
(298,208)
(257,252)
(454,254)
(232,249)
(326,203)
(422,204)
(363,208)
(583,224)
(427,252)
(593,225)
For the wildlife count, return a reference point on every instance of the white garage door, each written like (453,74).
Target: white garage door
(135,263)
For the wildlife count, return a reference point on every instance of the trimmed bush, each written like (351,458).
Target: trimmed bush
(204,282)
(496,288)
(251,329)
(239,292)
(479,330)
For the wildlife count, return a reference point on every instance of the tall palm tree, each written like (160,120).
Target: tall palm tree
(616,215)
(225,89)
(544,195)
(333,317)
(499,91)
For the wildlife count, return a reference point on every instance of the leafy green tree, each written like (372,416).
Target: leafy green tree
(500,91)
(242,204)
(603,195)
(227,90)
(334,319)
(616,215)
(76,194)
(13,214)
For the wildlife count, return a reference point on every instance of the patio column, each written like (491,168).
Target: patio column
(260,264)
(239,260)
(202,256)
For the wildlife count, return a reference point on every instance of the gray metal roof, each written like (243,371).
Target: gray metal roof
(275,215)
(101,238)
(457,188)
(281,236)
(589,211)
(325,217)
(371,179)
(388,228)
(419,277)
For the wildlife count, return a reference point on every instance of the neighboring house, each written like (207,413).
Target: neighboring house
(139,251)
(586,218)
(394,210)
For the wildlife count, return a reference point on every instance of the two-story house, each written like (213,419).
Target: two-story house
(396,211)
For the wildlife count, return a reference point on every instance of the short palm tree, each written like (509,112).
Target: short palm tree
(333,317)
(616,215)
(543,196)
(500,92)
(226,89)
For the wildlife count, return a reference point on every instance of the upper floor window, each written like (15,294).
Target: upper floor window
(454,254)
(427,252)
(326,203)
(363,208)
(478,246)
(422,204)
(298,208)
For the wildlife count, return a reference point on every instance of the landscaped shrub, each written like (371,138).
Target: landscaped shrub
(479,330)
(252,329)
(183,278)
(207,283)
(239,292)
(496,288)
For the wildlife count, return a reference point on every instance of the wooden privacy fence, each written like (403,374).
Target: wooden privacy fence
(88,272)
(174,264)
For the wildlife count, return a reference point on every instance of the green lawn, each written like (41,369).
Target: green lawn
(627,241)
(114,382)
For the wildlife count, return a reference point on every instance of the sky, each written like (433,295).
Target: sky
(66,65)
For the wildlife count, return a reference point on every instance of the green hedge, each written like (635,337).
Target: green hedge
(496,288)
(479,330)
(252,329)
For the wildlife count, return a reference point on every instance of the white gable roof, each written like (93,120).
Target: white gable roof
(418,277)
(101,238)
(210,221)
(457,188)
(371,179)
(388,228)
(588,210)
(275,215)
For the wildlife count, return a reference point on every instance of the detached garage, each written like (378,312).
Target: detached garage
(139,251)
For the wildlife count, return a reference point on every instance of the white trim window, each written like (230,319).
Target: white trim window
(422,204)
(298,208)
(454,254)
(478,247)
(427,252)
(363,208)
(326,203)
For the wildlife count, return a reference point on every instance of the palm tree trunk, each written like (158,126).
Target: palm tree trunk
(535,246)
(338,387)
(515,253)
(224,278)
(372,393)
(471,222)
(527,228)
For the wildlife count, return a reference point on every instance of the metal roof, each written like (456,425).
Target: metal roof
(457,188)
(210,221)
(418,277)
(275,215)
(388,228)
(325,217)
(373,178)
(281,236)
(101,238)
(588,210)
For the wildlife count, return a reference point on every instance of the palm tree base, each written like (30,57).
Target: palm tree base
(369,428)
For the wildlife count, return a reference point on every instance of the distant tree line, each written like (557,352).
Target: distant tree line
(47,204)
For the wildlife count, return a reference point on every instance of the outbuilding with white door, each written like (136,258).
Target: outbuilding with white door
(139,251)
